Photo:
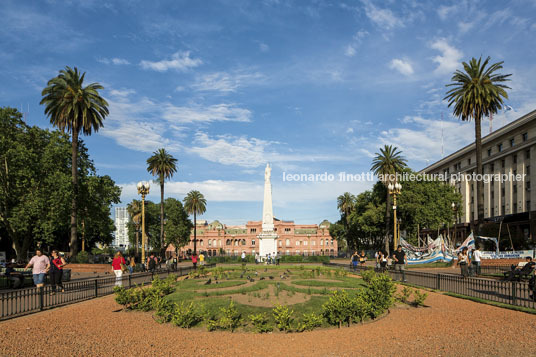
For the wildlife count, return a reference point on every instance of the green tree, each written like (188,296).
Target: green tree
(163,165)
(178,225)
(476,93)
(195,204)
(387,163)
(74,108)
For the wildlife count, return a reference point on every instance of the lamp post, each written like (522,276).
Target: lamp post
(394,189)
(455,210)
(143,190)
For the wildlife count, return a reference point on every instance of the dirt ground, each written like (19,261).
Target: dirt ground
(448,327)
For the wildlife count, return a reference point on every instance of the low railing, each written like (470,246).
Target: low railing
(507,292)
(26,301)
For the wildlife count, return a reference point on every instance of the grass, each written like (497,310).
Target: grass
(430,265)
(494,303)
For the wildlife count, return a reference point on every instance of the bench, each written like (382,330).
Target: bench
(520,272)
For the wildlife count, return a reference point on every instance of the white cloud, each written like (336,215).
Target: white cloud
(401,66)
(115,61)
(121,93)
(225,82)
(350,51)
(445,11)
(450,57)
(264,47)
(465,26)
(180,61)
(384,18)
(198,114)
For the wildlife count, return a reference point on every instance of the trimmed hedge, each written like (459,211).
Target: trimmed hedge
(282,259)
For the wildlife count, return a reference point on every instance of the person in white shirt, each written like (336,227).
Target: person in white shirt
(243,256)
(476,260)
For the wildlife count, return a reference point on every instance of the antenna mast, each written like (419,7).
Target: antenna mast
(442,143)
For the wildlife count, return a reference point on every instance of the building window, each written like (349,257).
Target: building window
(219,242)
(469,161)
(491,167)
(515,189)
(253,242)
(280,243)
(527,154)
(492,195)
(313,242)
(297,242)
(321,242)
(502,210)
(243,242)
(514,159)
(525,136)
(499,147)
(527,185)
(527,171)
(287,252)
(304,242)
(502,192)
(201,242)
(515,207)
(209,243)
(492,211)
(287,242)
(528,205)
(511,142)
(287,230)
(472,199)
(275,229)
(489,152)
(253,230)
(502,164)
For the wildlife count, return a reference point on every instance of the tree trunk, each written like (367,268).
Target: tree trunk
(387,219)
(480,171)
(162,218)
(195,234)
(74,203)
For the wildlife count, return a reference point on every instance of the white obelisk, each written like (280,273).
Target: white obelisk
(267,238)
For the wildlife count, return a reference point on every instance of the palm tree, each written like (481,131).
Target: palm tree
(345,205)
(478,92)
(195,204)
(134,210)
(74,108)
(162,164)
(387,163)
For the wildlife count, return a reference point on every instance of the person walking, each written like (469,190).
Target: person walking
(117,267)
(476,260)
(256,258)
(401,260)
(40,266)
(151,263)
(355,259)
(194,260)
(243,257)
(56,271)
(362,259)
(463,262)
(201,259)
(131,264)
(383,261)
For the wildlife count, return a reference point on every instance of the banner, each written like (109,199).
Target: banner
(515,254)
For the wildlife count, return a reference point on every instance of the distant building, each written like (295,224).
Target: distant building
(510,150)
(294,239)
(121,229)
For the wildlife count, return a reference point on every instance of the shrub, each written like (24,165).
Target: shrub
(260,322)
(186,315)
(339,308)
(367,275)
(419,298)
(165,309)
(361,307)
(82,257)
(310,322)
(404,295)
(379,292)
(231,317)
(283,317)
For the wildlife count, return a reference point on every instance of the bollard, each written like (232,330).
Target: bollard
(129,281)
(438,282)
(96,288)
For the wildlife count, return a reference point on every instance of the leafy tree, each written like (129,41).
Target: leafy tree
(74,108)
(134,211)
(163,165)
(388,161)
(476,93)
(195,204)
(345,205)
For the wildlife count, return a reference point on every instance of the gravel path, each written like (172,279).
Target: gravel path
(448,327)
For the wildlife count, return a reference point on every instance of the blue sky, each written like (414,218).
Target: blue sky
(227,86)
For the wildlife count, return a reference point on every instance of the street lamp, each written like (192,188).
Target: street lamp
(455,210)
(143,190)
(394,189)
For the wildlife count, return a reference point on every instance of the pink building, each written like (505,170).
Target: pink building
(294,239)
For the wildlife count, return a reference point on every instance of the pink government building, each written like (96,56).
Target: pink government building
(294,239)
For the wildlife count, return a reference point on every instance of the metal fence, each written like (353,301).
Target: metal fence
(507,292)
(26,301)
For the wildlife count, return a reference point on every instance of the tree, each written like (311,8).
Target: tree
(476,93)
(134,211)
(195,204)
(178,225)
(387,163)
(74,108)
(162,164)
(345,205)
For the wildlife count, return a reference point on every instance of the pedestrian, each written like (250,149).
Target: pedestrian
(256,258)
(202,259)
(243,257)
(383,261)
(56,271)
(476,260)
(401,261)
(15,277)
(463,262)
(377,255)
(118,264)
(194,260)
(268,259)
(151,263)
(362,258)
(276,258)
(132,264)
(355,259)
(40,266)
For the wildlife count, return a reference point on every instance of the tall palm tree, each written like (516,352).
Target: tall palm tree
(476,93)
(388,161)
(134,211)
(162,164)
(195,203)
(345,205)
(74,108)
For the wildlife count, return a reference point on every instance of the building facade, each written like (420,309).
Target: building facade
(507,157)
(294,239)
(121,228)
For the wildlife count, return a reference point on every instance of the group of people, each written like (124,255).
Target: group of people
(474,260)
(41,266)
(399,259)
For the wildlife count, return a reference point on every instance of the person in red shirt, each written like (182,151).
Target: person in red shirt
(194,260)
(117,268)
(56,271)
